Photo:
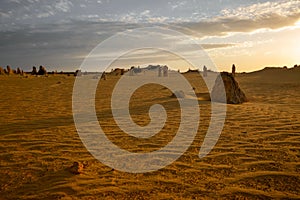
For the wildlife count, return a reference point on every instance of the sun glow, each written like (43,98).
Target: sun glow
(296,42)
(296,50)
(297,24)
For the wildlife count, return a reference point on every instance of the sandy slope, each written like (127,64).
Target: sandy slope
(256,157)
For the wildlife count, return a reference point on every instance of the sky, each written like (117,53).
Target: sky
(60,34)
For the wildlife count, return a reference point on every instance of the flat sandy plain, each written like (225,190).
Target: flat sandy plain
(257,155)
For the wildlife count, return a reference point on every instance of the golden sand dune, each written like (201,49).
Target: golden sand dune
(256,157)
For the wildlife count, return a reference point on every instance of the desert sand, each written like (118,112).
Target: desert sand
(257,155)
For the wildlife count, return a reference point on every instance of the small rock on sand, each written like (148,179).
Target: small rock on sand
(76,168)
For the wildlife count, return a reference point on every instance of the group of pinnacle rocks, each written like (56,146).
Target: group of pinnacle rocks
(225,90)
(9,71)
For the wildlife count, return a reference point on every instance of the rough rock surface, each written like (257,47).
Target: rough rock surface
(234,94)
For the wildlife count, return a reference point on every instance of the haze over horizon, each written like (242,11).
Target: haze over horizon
(60,34)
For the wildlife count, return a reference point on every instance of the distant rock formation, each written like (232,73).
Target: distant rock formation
(42,71)
(2,71)
(131,71)
(34,71)
(78,73)
(296,66)
(117,72)
(192,71)
(159,71)
(153,67)
(234,94)
(233,70)
(103,76)
(9,71)
(165,70)
(19,71)
(204,71)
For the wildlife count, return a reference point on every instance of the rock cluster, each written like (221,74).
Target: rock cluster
(19,71)
(42,71)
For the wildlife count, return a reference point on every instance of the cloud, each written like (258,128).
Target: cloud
(63,5)
(223,25)
(30,11)
(5,15)
(178,5)
(216,46)
(55,44)
(268,15)
(145,13)
(283,8)
(16,1)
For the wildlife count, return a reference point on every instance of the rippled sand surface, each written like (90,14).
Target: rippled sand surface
(257,155)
